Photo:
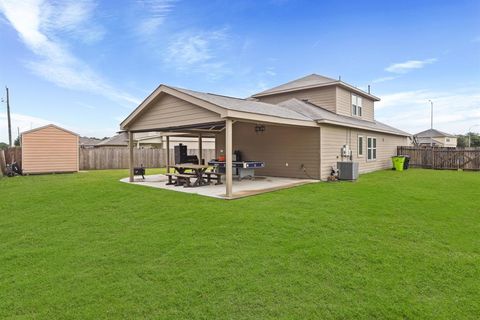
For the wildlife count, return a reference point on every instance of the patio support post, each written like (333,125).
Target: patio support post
(130,154)
(200,147)
(228,158)
(168,154)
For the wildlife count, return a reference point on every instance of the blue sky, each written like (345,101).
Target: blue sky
(86,64)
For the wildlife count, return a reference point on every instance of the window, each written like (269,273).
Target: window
(360,146)
(448,139)
(356,105)
(371,148)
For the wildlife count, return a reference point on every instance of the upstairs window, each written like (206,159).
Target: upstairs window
(357,105)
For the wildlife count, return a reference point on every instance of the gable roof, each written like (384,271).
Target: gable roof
(86,141)
(293,111)
(49,126)
(120,139)
(245,105)
(238,107)
(321,115)
(309,82)
(433,133)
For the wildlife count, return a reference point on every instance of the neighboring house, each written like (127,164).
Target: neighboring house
(155,140)
(49,149)
(299,129)
(436,138)
(87,143)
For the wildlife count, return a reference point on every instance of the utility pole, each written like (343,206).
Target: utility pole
(9,121)
(431,121)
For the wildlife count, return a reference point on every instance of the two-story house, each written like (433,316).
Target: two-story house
(298,129)
(435,138)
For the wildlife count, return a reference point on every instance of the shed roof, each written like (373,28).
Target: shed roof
(49,126)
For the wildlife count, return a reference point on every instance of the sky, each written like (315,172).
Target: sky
(86,64)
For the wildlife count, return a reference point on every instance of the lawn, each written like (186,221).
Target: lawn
(390,246)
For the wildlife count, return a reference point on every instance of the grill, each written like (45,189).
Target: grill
(139,171)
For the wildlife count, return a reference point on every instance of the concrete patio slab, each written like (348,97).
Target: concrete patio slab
(243,188)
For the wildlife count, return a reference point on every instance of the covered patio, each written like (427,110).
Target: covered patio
(193,114)
(240,189)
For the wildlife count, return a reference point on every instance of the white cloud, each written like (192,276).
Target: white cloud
(383,79)
(198,52)
(454,111)
(156,10)
(407,66)
(40,25)
(22,122)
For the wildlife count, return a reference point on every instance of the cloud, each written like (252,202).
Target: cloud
(199,52)
(454,111)
(22,122)
(157,11)
(383,79)
(407,66)
(40,25)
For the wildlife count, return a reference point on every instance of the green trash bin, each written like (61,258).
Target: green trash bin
(398,162)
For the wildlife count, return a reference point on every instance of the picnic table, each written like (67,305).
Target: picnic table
(197,171)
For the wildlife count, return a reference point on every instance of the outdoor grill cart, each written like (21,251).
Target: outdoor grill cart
(245,169)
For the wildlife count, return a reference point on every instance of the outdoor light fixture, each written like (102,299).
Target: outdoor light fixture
(259,128)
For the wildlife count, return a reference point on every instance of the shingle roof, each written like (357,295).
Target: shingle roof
(290,109)
(120,139)
(307,81)
(432,133)
(245,105)
(86,141)
(313,81)
(320,114)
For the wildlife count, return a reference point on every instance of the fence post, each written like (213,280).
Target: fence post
(3,164)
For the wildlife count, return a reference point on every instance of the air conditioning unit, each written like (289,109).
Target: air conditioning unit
(347,170)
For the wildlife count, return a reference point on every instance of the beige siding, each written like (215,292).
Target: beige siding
(49,150)
(334,137)
(277,146)
(169,111)
(344,105)
(324,97)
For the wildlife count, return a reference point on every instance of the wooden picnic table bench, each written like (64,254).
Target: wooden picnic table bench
(184,177)
(216,176)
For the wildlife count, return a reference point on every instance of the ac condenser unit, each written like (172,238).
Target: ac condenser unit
(347,170)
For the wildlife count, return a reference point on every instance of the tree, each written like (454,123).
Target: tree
(16,143)
(3,145)
(462,140)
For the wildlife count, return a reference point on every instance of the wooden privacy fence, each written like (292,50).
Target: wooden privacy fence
(9,156)
(117,158)
(442,158)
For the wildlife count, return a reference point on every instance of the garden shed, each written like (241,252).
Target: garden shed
(49,149)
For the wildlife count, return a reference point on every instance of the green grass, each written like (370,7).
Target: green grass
(392,245)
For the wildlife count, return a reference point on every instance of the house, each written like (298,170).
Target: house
(155,140)
(436,138)
(300,129)
(87,143)
(49,149)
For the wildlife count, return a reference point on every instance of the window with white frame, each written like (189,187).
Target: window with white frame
(360,146)
(357,105)
(371,148)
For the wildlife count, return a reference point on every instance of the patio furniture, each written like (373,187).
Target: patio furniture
(216,176)
(198,172)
